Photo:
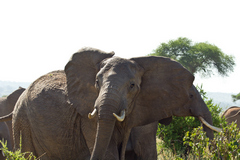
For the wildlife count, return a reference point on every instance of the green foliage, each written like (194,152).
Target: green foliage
(196,57)
(236,97)
(173,134)
(199,142)
(226,144)
(17,155)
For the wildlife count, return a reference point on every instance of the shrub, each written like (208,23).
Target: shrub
(173,134)
(17,155)
(226,144)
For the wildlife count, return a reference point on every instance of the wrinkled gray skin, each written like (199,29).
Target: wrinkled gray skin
(6,107)
(142,143)
(232,114)
(52,114)
(4,134)
(142,140)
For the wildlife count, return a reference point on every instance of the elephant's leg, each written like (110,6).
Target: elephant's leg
(130,153)
(22,136)
(146,150)
(144,141)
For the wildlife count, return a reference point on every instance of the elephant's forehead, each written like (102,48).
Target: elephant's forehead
(119,65)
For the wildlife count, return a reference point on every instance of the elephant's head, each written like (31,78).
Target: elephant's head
(10,101)
(133,91)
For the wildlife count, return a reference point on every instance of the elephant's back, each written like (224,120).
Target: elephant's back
(46,95)
(42,98)
(50,83)
(231,111)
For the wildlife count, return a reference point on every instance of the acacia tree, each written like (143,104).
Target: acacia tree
(197,57)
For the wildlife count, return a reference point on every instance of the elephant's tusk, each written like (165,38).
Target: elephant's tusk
(93,114)
(209,125)
(121,117)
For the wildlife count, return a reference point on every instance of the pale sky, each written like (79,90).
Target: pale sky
(37,37)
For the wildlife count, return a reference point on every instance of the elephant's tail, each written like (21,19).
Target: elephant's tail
(6,118)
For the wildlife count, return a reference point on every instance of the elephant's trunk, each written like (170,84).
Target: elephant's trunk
(209,132)
(205,114)
(106,104)
(103,137)
(200,110)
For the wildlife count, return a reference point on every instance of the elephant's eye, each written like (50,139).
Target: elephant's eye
(132,85)
(191,96)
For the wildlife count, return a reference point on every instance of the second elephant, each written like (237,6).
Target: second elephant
(232,114)
(5,135)
(6,107)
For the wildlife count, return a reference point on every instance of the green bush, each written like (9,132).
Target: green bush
(173,134)
(226,144)
(17,155)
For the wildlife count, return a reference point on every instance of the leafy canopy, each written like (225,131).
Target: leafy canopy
(196,57)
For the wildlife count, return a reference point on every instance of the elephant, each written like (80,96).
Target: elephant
(4,135)
(232,114)
(87,110)
(6,107)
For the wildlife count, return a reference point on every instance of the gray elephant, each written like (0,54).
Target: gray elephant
(232,114)
(4,135)
(6,107)
(88,110)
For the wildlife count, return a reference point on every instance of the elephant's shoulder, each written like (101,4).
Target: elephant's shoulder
(48,85)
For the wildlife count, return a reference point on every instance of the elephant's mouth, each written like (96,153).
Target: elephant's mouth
(119,118)
(209,125)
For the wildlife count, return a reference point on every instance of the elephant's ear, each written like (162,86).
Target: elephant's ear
(81,72)
(165,84)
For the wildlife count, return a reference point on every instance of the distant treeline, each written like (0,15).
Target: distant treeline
(224,100)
